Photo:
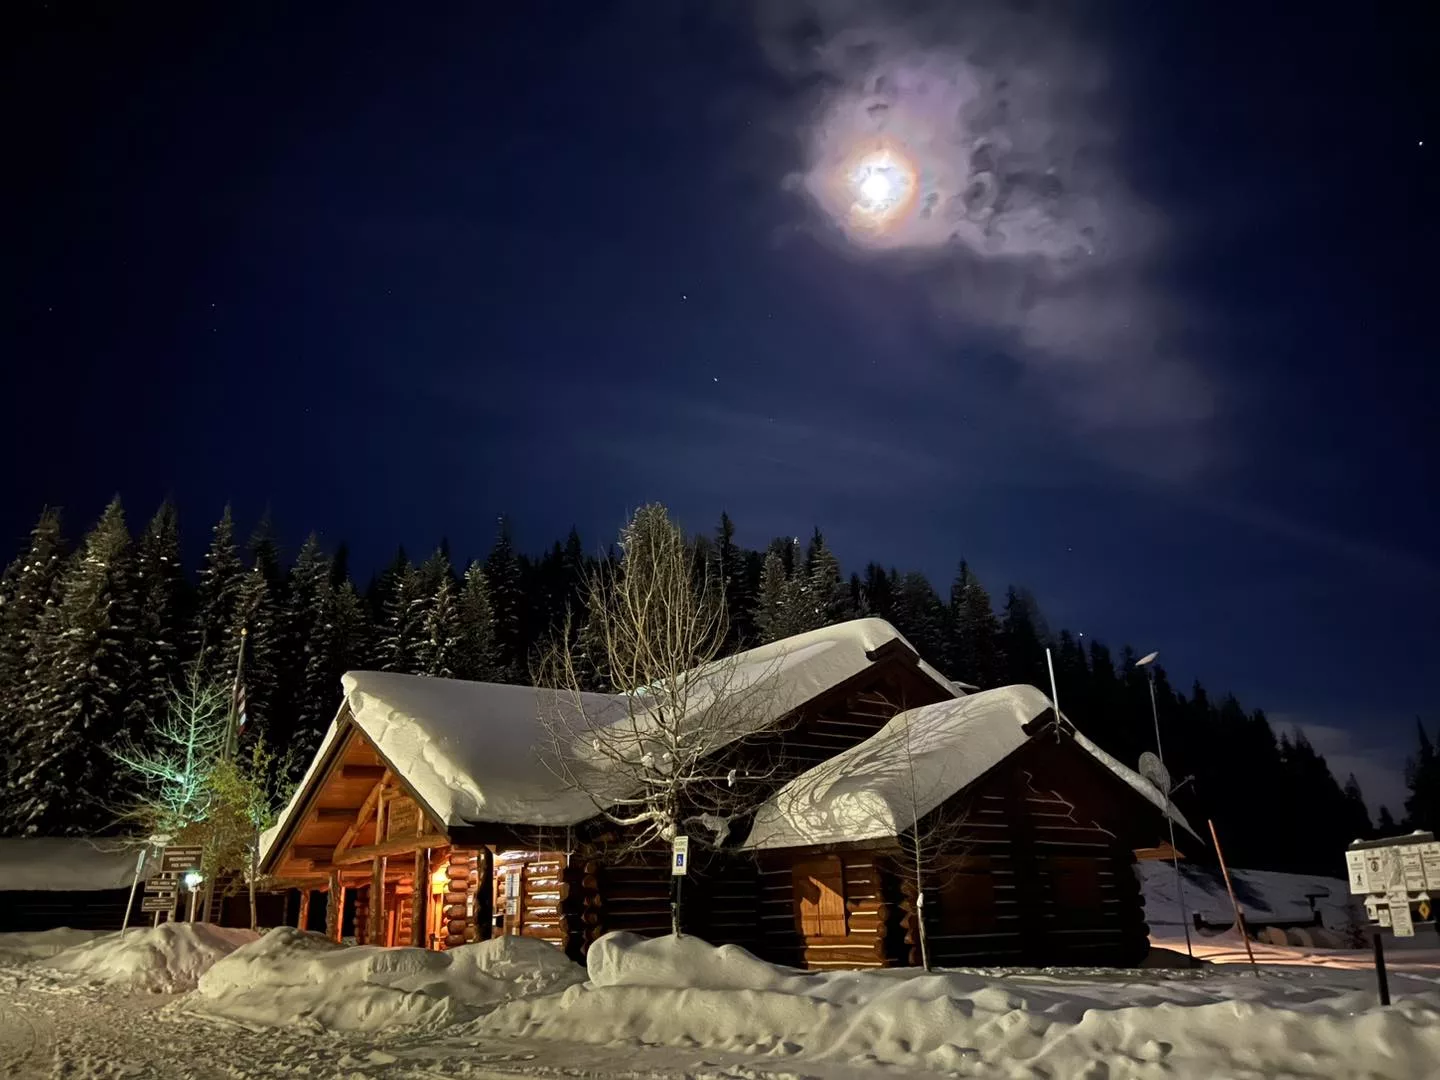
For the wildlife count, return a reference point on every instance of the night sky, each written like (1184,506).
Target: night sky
(1147,330)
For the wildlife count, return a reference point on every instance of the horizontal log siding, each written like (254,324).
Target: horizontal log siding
(866,942)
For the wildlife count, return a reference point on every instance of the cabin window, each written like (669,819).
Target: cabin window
(820,897)
(967,895)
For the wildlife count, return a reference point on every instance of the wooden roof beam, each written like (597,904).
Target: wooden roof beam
(398,846)
(362,772)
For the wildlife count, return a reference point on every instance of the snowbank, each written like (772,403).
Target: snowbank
(169,958)
(289,977)
(39,944)
(66,864)
(1074,1024)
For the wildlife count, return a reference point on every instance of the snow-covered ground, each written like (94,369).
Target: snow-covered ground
(292,1004)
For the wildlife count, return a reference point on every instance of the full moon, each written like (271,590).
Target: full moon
(882,185)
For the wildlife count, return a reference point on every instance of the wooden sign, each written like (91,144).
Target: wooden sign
(402,818)
(158,903)
(177,860)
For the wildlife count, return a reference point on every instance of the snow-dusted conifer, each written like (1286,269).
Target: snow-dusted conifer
(160,615)
(217,594)
(439,618)
(399,639)
(83,673)
(972,652)
(770,604)
(475,655)
(307,670)
(503,574)
(30,586)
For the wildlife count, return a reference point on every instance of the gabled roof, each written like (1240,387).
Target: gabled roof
(471,752)
(909,767)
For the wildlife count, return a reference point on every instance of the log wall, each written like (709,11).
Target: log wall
(464,917)
(1031,882)
(544,900)
(861,880)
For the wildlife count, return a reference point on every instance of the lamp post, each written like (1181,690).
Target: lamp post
(1148,663)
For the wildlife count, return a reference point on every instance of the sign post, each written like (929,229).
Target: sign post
(1391,874)
(679,867)
(134,884)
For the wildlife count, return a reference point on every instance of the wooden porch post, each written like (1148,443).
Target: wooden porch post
(420,899)
(302,921)
(335,908)
(377,902)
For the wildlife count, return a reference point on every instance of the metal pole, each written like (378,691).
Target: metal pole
(1170,821)
(134,884)
(1234,904)
(1380,976)
(1054,691)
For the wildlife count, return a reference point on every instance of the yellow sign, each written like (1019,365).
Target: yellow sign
(1424,909)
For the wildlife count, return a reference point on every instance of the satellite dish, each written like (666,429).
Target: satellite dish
(1153,769)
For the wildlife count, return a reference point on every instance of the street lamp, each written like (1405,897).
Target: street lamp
(1148,663)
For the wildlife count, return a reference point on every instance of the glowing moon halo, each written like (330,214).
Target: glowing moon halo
(882,185)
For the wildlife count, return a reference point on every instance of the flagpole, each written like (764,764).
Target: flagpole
(232,747)
(232,739)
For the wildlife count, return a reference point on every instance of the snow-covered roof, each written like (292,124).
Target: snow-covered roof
(68,864)
(474,752)
(470,750)
(908,768)
(758,687)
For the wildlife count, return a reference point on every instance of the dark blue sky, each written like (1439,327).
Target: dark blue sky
(394,274)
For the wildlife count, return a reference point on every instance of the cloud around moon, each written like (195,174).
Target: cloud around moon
(1019,221)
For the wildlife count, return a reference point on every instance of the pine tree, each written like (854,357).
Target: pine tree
(308,675)
(399,639)
(30,587)
(1422,778)
(1385,823)
(84,670)
(730,568)
(918,614)
(972,652)
(829,596)
(770,603)
(28,591)
(879,591)
(503,575)
(1023,638)
(1357,814)
(439,621)
(160,617)
(475,648)
(217,595)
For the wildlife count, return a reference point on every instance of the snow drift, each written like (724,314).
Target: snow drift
(290,977)
(168,959)
(17,948)
(1083,1024)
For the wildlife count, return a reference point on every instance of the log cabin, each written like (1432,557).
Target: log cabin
(429,817)
(996,822)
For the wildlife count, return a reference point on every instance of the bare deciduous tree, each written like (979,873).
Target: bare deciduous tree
(668,749)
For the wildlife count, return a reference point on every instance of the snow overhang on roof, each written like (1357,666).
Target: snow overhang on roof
(910,767)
